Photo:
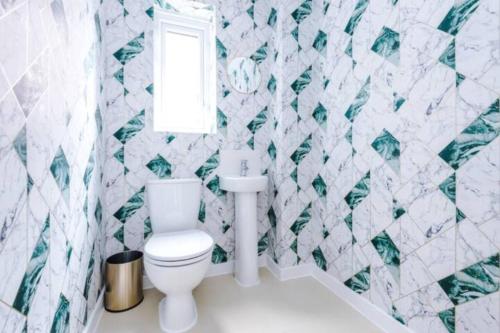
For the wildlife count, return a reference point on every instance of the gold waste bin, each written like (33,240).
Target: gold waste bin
(123,281)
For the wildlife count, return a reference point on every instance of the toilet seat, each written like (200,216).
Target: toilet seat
(178,248)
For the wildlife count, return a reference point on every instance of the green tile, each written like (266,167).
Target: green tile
(272,217)
(251,12)
(301,152)
(160,167)
(273,17)
(214,186)
(320,114)
(148,229)
(219,255)
(303,11)
(459,216)
(221,119)
(61,173)
(397,209)
(302,81)
(294,246)
(477,135)
(119,234)
(120,155)
(448,318)
(348,221)
(360,8)
(221,50)
(119,75)
(459,78)
(458,15)
(202,214)
(209,166)
(263,243)
(387,45)
(98,211)
(90,271)
(131,50)
(359,192)
(169,138)
(397,315)
(320,186)
(303,219)
(320,41)
(387,146)
(357,105)
(448,187)
(360,282)
(133,204)
(271,85)
(261,54)
(388,251)
(60,322)
(258,121)
(448,56)
(33,274)
(131,128)
(398,102)
(271,150)
(475,281)
(319,258)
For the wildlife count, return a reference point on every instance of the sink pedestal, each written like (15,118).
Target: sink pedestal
(246,264)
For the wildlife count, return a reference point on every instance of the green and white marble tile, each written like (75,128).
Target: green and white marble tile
(475,281)
(387,45)
(160,167)
(360,282)
(131,206)
(34,271)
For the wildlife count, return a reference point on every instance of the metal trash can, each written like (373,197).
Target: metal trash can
(123,281)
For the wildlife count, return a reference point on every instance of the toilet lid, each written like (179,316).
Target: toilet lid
(179,245)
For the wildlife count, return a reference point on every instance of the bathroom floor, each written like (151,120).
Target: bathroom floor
(295,306)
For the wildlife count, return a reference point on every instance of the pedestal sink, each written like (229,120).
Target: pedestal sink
(245,191)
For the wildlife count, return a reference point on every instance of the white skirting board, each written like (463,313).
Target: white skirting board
(371,312)
(367,309)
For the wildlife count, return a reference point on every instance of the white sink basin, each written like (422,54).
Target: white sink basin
(243,184)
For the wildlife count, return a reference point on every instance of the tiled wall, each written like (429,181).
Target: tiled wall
(135,153)
(377,122)
(388,154)
(50,211)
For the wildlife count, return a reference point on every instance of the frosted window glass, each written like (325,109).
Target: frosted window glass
(183,81)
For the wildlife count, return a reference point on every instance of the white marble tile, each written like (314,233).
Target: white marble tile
(480,315)
(438,255)
(477,49)
(14,56)
(477,185)
(472,244)
(414,274)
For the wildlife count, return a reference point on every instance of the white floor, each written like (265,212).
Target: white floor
(295,306)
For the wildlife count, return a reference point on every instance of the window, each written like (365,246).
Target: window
(184,73)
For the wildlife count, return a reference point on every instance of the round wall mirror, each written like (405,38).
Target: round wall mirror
(244,75)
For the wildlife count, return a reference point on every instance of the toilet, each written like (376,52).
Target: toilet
(177,256)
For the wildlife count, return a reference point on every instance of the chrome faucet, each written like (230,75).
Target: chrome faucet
(244,168)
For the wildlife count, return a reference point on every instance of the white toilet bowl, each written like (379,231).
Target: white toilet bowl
(177,256)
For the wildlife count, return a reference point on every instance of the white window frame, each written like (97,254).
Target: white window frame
(203,28)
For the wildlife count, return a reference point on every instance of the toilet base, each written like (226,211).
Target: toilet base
(177,313)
